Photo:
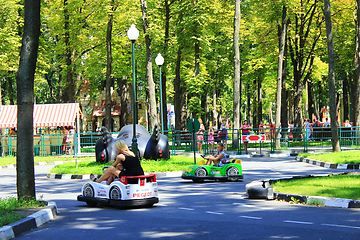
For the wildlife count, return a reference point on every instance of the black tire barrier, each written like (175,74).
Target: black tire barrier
(155,146)
(260,190)
(264,190)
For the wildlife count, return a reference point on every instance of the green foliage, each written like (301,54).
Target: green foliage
(339,186)
(207,24)
(344,157)
(8,207)
(316,202)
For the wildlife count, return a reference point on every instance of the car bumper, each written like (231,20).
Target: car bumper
(120,203)
(184,176)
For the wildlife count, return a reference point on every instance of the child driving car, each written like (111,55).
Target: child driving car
(218,157)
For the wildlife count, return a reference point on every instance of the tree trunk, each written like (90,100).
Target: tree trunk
(48,78)
(255,103)
(123,92)
(108,83)
(149,74)
(207,109)
(69,89)
(284,96)
(164,66)
(11,91)
(179,95)
(345,96)
(25,178)
(301,56)
(311,103)
(259,101)
(248,104)
(215,112)
(332,90)
(355,86)
(237,83)
(279,78)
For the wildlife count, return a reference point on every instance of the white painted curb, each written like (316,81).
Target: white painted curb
(40,217)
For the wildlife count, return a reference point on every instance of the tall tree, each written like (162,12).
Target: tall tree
(25,179)
(356,82)
(236,94)
(301,48)
(149,70)
(282,43)
(108,120)
(179,95)
(332,91)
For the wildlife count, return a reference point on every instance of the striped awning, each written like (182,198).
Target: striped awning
(45,115)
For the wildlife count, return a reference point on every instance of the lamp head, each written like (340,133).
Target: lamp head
(159,60)
(141,85)
(133,33)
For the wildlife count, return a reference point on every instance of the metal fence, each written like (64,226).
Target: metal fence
(295,139)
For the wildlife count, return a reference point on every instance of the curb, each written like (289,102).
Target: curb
(87,177)
(328,165)
(264,190)
(33,221)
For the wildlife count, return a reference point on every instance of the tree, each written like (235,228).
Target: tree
(149,70)
(237,95)
(301,47)
(356,81)
(332,93)
(282,43)
(109,83)
(25,179)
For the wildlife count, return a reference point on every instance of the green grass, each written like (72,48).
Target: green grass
(175,163)
(340,186)
(8,207)
(343,157)
(12,160)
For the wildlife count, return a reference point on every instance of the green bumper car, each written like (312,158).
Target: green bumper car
(230,171)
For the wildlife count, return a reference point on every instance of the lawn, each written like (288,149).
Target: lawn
(339,186)
(343,157)
(175,163)
(12,210)
(12,160)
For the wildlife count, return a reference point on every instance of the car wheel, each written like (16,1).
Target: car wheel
(200,172)
(232,174)
(89,192)
(115,193)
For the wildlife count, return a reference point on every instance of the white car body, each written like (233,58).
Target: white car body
(126,191)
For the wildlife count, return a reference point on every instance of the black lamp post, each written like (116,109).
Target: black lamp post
(133,34)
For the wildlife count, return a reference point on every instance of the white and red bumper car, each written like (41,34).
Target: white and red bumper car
(126,191)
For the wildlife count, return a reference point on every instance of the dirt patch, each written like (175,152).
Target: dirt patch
(28,211)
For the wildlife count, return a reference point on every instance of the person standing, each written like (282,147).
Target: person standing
(245,131)
(307,126)
(200,135)
(211,139)
(224,134)
(327,123)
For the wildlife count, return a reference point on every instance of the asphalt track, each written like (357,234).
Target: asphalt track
(210,210)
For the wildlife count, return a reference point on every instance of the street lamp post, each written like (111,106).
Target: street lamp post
(133,34)
(159,60)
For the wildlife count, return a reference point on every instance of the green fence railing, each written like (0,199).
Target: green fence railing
(294,139)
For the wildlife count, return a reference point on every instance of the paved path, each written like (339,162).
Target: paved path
(212,210)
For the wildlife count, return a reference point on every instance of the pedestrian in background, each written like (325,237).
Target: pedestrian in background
(224,134)
(245,128)
(200,135)
(211,139)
